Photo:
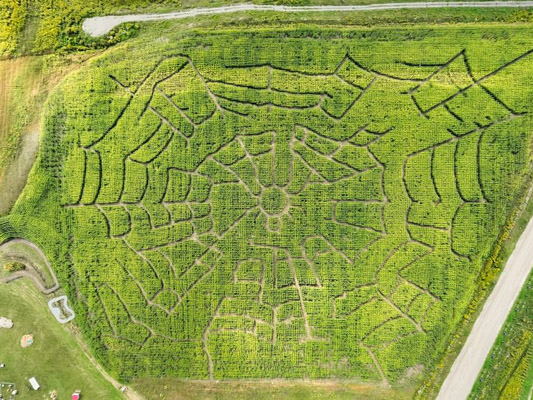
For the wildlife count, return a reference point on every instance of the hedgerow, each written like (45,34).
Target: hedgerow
(13,15)
(312,208)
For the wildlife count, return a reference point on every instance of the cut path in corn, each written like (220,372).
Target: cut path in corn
(99,26)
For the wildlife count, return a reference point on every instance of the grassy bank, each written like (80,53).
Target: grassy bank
(175,389)
(25,83)
(508,371)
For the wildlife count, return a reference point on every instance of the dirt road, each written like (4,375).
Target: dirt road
(98,26)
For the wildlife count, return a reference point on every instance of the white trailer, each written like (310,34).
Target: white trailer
(34,384)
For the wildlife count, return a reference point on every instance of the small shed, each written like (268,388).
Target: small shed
(34,384)
(6,323)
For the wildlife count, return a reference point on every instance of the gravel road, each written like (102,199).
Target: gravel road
(98,26)
(467,366)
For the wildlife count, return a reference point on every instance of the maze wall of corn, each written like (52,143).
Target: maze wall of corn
(301,203)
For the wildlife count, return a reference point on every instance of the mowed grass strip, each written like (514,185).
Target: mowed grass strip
(168,388)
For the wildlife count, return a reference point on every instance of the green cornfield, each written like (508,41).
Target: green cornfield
(299,203)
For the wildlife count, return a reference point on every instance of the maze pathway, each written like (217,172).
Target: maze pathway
(256,214)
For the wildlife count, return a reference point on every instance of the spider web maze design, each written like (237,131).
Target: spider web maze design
(276,181)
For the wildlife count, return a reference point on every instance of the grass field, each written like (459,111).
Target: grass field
(45,26)
(319,208)
(55,359)
(18,79)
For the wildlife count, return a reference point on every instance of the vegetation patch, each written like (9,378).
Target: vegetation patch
(240,206)
(13,266)
(44,26)
(182,389)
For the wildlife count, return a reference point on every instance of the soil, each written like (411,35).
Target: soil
(14,178)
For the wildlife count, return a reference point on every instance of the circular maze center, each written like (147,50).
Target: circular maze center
(273,200)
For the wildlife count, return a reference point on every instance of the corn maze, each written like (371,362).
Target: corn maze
(287,211)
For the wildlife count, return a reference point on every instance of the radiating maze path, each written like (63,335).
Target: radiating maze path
(274,195)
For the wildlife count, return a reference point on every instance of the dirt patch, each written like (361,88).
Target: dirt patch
(21,82)
(8,70)
(15,175)
(20,86)
(412,374)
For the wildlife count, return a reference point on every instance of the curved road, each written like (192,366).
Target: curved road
(98,26)
(32,270)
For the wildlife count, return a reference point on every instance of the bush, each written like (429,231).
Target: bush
(14,267)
